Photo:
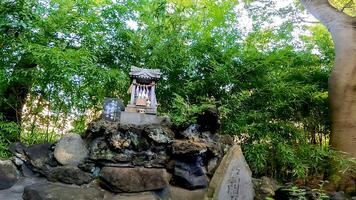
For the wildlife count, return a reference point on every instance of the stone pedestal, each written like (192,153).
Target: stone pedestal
(134,118)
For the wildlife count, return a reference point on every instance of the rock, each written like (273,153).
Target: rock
(264,187)
(129,138)
(142,158)
(69,175)
(17,161)
(27,171)
(139,141)
(17,148)
(161,135)
(141,119)
(189,175)
(132,196)
(208,120)
(95,129)
(342,181)
(16,191)
(8,174)
(211,166)
(125,157)
(191,132)
(338,196)
(70,150)
(188,148)
(159,160)
(177,193)
(232,179)
(24,168)
(99,150)
(226,142)
(151,159)
(46,191)
(87,166)
(120,141)
(40,156)
(133,179)
(99,128)
(209,137)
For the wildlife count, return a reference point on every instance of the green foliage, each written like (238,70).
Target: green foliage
(183,113)
(38,137)
(301,194)
(79,125)
(269,83)
(9,132)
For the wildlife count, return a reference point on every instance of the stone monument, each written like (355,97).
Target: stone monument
(112,109)
(232,180)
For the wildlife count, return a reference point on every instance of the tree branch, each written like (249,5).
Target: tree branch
(347,5)
(328,15)
(299,19)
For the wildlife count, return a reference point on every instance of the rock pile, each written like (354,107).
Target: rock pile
(123,159)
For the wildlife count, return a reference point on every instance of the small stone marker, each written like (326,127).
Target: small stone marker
(112,109)
(232,180)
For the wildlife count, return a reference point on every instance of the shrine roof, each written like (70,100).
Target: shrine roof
(143,73)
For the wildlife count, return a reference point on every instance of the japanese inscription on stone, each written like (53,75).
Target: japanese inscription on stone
(112,110)
(234,184)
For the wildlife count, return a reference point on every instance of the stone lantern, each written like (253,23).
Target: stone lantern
(142,89)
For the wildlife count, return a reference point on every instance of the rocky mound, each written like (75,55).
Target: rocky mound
(114,158)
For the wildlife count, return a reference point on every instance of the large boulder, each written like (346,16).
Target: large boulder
(40,157)
(70,150)
(46,191)
(189,175)
(8,174)
(69,175)
(232,179)
(133,179)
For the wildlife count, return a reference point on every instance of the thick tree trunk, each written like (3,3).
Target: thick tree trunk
(342,82)
(15,93)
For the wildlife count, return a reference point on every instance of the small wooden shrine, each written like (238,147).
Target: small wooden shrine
(142,89)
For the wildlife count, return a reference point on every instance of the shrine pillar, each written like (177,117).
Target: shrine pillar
(153,96)
(133,91)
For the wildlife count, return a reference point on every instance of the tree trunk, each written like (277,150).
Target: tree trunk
(342,82)
(13,101)
(15,92)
